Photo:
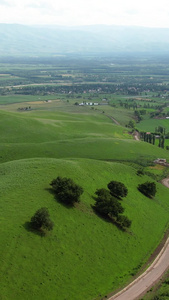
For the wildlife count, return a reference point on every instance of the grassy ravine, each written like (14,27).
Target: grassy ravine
(85,257)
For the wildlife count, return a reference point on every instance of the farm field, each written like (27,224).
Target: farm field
(45,133)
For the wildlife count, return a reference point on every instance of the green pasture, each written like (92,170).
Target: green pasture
(121,115)
(37,127)
(166,109)
(157,171)
(151,124)
(59,134)
(166,143)
(84,257)
(9,99)
(93,148)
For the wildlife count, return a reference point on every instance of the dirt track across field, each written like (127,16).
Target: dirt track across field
(165,182)
(113,119)
(136,289)
(136,136)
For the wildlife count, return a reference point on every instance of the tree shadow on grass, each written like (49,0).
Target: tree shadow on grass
(52,192)
(108,219)
(105,218)
(28,227)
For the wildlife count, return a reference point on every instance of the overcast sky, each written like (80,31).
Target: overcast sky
(148,13)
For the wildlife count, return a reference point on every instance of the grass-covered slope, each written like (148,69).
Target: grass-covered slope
(31,127)
(152,124)
(85,256)
(104,149)
(59,134)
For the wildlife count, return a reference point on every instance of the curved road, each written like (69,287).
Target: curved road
(144,282)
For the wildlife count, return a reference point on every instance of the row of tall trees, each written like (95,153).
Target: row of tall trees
(151,137)
(148,137)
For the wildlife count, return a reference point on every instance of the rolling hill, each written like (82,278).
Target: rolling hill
(85,256)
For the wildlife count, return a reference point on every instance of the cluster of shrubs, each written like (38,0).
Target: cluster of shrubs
(66,191)
(107,201)
(41,220)
(148,189)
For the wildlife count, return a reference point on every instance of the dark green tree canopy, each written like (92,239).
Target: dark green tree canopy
(123,221)
(103,194)
(117,189)
(140,172)
(66,190)
(106,204)
(148,189)
(41,220)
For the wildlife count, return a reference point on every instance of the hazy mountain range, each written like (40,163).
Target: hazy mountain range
(52,40)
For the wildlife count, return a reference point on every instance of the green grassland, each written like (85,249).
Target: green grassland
(85,257)
(151,124)
(61,134)
(8,99)
(40,126)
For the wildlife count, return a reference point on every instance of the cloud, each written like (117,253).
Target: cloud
(80,12)
(41,7)
(132,11)
(5,3)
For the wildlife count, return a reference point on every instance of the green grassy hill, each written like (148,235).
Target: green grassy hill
(151,124)
(59,134)
(85,256)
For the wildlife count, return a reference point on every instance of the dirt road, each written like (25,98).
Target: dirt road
(145,281)
(114,120)
(165,182)
(136,136)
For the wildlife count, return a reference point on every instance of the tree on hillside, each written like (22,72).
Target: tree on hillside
(117,189)
(159,142)
(123,221)
(110,206)
(41,220)
(131,124)
(162,141)
(154,139)
(140,172)
(106,204)
(148,189)
(66,190)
